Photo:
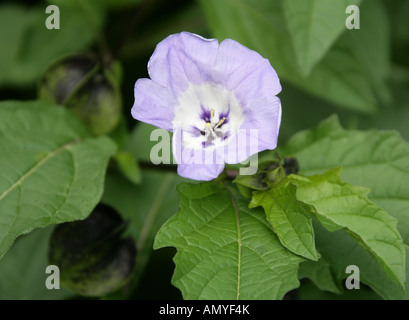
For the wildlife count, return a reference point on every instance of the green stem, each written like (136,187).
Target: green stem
(159,167)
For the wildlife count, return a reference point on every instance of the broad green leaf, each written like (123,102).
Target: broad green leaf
(314,26)
(340,250)
(145,206)
(309,291)
(224,249)
(97,4)
(320,273)
(289,219)
(339,77)
(303,111)
(394,117)
(339,205)
(378,160)
(51,170)
(28,47)
(371,45)
(23,270)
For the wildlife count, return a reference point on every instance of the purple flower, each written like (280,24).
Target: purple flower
(219,100)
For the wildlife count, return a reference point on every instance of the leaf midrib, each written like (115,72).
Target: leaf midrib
(239,243)
(38,165)
(283,213)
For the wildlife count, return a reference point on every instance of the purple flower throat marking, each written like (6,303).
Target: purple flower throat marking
(213,127)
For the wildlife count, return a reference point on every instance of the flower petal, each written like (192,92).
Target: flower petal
(153,104)
(245,72)
(201,172)
(258,132)
(264,114)
(181,59)
(197,164)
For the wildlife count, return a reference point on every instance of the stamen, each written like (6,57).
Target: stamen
(209,133)
(221,121)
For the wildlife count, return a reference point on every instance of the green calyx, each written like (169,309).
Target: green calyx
(90,91)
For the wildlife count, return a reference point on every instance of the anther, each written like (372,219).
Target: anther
(221,121)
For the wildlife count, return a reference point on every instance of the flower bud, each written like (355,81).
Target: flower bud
(93,257)
(268,174)
(89,91)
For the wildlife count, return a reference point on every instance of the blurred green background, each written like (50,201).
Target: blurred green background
(361,75)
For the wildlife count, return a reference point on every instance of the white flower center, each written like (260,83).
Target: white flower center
(208,115)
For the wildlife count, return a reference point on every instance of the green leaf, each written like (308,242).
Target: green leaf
(340,250)
(308,291)
(97,4)
(259,25)
(289,219)
(314,26)
(320,273)
(395,117)
(29,47)
(371,45)
(23,269)
(378,160)
(340,205)
(224,249)
(51,171)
